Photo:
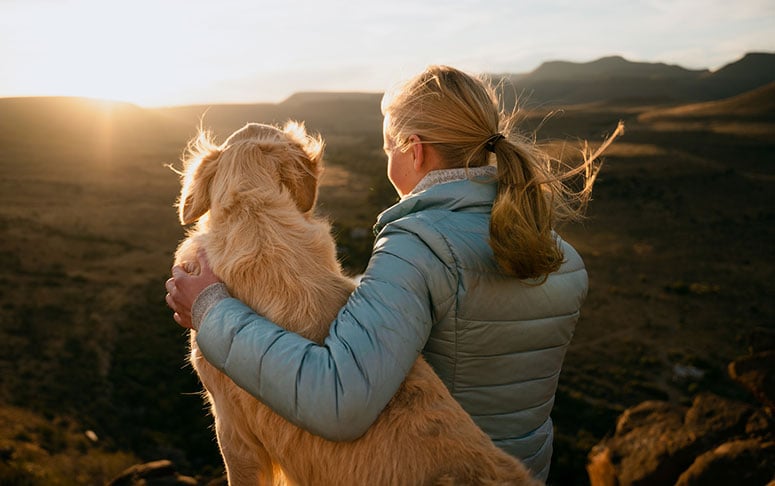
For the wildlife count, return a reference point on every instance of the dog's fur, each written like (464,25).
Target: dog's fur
(252,199)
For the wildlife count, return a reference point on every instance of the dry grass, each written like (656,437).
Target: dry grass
(57,452)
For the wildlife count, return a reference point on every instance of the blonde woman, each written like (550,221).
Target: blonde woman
(466,269)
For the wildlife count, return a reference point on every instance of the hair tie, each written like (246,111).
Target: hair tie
(490,143)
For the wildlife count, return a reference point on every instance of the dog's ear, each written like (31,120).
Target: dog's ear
(195,193)
(301,180)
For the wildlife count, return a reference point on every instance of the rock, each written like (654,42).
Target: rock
(749,462)
(669,415)
(712,418)
(760,425)
(643,447)
(157,473)
(655,442)
(600,468)
(757,374)
(716,441)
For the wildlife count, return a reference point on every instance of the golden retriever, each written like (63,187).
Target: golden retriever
(252,199)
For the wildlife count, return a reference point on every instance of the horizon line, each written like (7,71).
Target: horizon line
(155,105)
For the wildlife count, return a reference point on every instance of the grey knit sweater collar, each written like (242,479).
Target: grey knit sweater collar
(451,175)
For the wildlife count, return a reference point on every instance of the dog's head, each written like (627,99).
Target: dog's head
(258,160)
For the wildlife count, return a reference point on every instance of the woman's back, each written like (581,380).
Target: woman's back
(499,344)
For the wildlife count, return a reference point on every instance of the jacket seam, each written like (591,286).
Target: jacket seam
(455,295)
(522,321)
(519,382)
(520,410)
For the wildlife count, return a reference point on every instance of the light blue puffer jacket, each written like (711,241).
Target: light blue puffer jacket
(432,286)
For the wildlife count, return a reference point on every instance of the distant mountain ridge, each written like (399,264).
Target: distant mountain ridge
(752,71)
(611,79)
(614,78)
(612,66)
(752,65)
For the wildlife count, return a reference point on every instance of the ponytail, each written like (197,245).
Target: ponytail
(521,221)
(532,198)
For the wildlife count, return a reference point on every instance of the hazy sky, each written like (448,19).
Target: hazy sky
(165,52)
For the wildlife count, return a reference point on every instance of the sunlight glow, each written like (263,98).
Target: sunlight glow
(185,51)
(119,51)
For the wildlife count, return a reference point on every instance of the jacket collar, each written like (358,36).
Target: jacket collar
(447,189)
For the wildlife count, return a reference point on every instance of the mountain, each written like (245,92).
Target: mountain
(610,67)
(312,97)
(757,67)
(615,79)
(612,80)
(750,72)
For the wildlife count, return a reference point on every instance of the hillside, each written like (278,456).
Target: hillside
(78,117)
(756,104)
(326,112)
(93,138)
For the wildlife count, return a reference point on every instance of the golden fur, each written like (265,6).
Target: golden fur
(252,199)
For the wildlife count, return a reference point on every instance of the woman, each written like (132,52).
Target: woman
(466,269)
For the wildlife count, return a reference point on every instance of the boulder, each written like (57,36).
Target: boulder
(655,442)
(749,461)
(716,441)
(756,373)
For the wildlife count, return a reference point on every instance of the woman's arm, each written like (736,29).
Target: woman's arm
(337,390)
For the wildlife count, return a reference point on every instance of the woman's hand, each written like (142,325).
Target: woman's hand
(183,288)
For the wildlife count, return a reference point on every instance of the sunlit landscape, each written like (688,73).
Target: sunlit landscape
(94,379)
(668,379)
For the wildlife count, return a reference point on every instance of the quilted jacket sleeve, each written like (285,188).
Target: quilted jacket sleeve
(337,390)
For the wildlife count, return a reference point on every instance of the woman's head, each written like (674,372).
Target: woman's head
(458,118)
(447,109)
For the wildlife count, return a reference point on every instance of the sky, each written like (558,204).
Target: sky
(174,52)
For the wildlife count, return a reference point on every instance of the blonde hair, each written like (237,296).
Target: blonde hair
(461,116)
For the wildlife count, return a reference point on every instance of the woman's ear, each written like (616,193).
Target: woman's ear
(195,193)
(418,153)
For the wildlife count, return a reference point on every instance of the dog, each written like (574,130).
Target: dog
(252,199)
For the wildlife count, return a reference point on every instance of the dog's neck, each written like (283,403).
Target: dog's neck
(281,265)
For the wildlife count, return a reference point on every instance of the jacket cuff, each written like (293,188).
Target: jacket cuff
(205,301)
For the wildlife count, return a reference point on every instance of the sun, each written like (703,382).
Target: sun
(126,51)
